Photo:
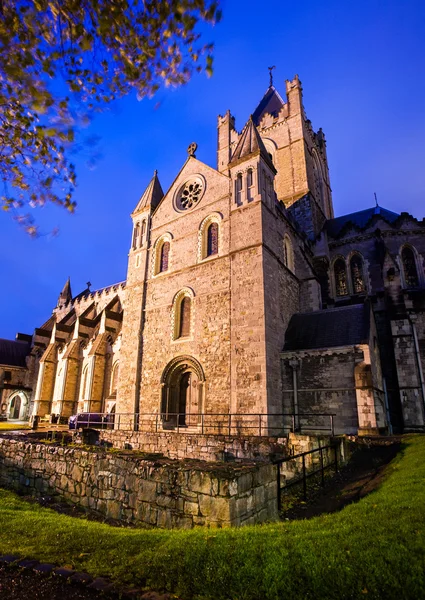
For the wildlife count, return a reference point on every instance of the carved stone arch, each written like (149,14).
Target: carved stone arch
(182,392)
(177,362)
(271,148)
(217,218)
(18,405)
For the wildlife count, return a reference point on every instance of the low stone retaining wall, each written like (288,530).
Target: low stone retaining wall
(203,447)
(134,488)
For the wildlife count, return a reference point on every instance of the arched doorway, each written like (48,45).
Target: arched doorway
(17,407)
(182,398)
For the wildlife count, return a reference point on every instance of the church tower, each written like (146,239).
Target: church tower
(138,264)
(298,154)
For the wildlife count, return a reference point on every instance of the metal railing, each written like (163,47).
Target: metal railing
(236,424)
(304,472)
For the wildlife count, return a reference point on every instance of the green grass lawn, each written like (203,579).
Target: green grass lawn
(7,426)
(372,549)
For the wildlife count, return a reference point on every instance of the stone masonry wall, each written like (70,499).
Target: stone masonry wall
(203,447)
(136,489)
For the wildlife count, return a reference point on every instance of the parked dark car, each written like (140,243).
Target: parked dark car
(94,420)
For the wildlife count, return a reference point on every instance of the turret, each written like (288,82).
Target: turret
(141,217)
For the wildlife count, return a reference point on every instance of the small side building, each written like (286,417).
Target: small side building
(330,364)
(15,378)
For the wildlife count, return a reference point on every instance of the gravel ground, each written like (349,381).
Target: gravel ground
(24,584)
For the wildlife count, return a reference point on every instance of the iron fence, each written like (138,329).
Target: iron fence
(303,471)
(235,424)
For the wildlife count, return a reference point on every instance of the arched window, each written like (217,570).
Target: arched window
(161,254)
(239,185)
(143,232)
(357,277)
(250,184)
(114,377)
(184,320)
(340,273)
(182,314)
(212,239)
(209,236)
(288,253)
(136,236)
(164,254)
(409,267)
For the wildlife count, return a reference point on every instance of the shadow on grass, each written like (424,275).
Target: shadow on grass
(363,474)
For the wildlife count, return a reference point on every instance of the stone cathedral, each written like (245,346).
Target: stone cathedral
(244,295)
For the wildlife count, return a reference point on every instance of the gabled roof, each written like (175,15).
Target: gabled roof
(13,353)
(152,195)
(249,143)
(331,328)
(359,219)
(271,103)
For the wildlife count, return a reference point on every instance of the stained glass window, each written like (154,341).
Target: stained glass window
(165,251)
(212,239)
(340,278)
(409,267)
(184,329)
(356,266)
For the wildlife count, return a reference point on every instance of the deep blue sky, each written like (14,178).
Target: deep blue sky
(362,65)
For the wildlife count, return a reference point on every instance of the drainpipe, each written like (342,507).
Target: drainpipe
(418,361)
(294,364)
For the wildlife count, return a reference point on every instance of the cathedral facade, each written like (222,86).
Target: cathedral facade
(246,296)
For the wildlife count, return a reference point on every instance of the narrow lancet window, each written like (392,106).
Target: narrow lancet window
(357,278)
(239,189)
(184,325)
(163,261)
(212,239)
(409,268)
(340,278)
(136,236)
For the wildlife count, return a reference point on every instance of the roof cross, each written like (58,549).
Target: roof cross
(271,74)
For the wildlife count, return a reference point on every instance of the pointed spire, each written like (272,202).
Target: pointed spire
(249,143)
(271,103)
(66,295)
(152,196)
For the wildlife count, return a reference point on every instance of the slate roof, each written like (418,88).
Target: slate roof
(331,328)
(250,142)
(271,103)
(359,219)
(13,353)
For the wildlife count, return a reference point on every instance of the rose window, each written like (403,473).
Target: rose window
(190,194)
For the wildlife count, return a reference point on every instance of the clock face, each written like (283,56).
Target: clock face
(190,194)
